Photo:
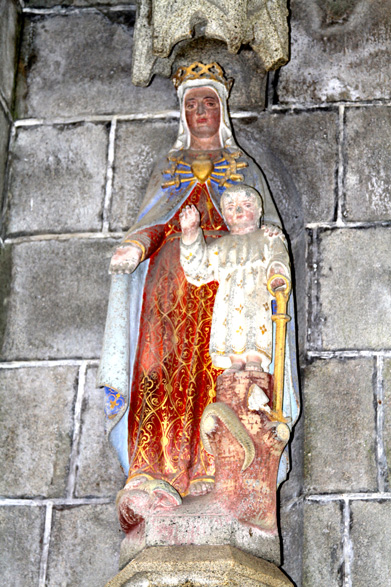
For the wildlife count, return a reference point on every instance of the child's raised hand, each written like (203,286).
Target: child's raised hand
(190,221)
(189,218)
(277,283)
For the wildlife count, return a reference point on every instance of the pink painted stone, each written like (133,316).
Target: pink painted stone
(250,495)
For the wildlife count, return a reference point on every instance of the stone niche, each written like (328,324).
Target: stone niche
(247,37)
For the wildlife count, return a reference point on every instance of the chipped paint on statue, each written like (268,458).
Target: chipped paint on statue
(247,443)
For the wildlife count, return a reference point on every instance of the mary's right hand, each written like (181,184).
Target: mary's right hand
(125,259)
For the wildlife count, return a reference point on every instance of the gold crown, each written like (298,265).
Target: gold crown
(198,70)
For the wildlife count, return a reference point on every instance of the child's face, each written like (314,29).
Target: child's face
(241,212)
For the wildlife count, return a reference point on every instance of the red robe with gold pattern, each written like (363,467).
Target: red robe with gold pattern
(173,377)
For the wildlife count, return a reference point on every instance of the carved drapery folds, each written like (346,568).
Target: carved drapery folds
(162,24)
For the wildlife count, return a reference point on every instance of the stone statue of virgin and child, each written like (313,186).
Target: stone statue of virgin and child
(156,365)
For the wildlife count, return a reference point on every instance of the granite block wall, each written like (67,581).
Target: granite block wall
(77,144)
(10,22)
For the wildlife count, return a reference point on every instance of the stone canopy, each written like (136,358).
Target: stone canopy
(161,25)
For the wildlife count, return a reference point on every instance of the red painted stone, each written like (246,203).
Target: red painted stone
(249,495)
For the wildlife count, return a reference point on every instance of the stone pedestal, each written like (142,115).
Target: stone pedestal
(199,521)
(198,566)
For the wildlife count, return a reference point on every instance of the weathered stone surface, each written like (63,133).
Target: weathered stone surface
(138,146)
(75,3)
(387,415)
(300,273)
(323,555)
(355,292)
(36,430)
(293,486)
(58,299)
(4,134)
(5,288)
(370,534)
(84,546)
(202,522)
(298,154)
(159,28)
(339,51)
(57,179)
(80,64)
(291,524)
(9,25)
(20,536)
(339,426)
(368,164)
(199,565)
(198,521)
(99,469)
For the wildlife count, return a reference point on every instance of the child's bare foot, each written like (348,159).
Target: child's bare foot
(253,366)
(237,366)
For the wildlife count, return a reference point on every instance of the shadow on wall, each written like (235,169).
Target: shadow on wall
(5,288)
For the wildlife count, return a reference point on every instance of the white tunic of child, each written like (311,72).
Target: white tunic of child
(241,264)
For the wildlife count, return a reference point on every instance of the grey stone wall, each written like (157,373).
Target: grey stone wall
(83,141)
(10,20)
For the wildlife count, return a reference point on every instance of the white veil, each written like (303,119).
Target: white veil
(226,136)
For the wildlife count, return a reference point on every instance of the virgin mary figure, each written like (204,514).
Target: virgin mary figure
(155,364)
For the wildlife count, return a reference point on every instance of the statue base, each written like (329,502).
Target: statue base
(198,566)
(199,521)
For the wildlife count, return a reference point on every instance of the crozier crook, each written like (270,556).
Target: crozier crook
(234,425)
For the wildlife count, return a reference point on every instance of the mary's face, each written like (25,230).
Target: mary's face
(202,109)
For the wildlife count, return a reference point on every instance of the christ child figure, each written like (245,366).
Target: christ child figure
(241,262)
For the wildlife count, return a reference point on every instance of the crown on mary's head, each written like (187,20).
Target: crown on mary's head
(197,70)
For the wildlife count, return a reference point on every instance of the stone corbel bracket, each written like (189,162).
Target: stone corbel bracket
(161,24)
